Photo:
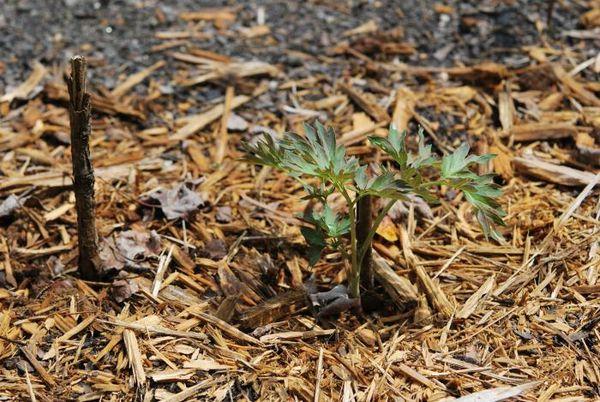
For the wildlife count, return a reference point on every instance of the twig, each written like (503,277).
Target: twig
(222,140)
(29,387)
(319,376)
(83,172)
(48,379)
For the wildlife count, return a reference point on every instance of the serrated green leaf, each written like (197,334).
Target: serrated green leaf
(424,157)
(385,185)
(360,178)
(454,163)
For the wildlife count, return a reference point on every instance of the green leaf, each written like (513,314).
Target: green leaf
(397,139)
(456,162)
(320,192)
(385,185)
(264,152)
(316,243)
(332,224)
(313,237)
(314,254)
(317,155)
(360,178)
(424,157)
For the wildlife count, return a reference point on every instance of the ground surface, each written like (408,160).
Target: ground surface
(212,305)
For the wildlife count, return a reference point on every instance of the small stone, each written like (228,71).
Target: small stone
(223,214)
(236,123)
(23,366)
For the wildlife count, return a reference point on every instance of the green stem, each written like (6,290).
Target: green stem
(354,283)
(355,272)
(345,254)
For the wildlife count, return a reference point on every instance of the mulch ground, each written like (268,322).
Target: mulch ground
(207,300)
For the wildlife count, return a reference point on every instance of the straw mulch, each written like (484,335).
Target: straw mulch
(210,304)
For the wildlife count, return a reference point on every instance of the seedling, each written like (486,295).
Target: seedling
(323,168)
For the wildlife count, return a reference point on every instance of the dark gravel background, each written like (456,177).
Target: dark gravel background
(117,34)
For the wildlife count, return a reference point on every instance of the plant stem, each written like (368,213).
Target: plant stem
(355,272)
(367,244)
(83,172)
(354,281)
(363,226)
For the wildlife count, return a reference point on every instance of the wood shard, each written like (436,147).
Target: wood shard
(551,172)
(135,79)
(134,356)
(48,379)
(100,103)
(577,89)
(372,108)
(398,288)
(198,122)
(542,131)
(472,302)
(233,71)
(23,90)
(228,329)
(211,289)
(271,310)
(432,289)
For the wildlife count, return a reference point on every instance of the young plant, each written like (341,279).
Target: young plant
(323,168)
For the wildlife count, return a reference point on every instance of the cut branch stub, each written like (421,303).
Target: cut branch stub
(83,172)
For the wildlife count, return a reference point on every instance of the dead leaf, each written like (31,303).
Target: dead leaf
(387,229)
(133,244)
(236,123)
(178,202)
(128,249)
(215,249)
(123,289)
(400,208)
(333,302)
(55,264)
(11,204)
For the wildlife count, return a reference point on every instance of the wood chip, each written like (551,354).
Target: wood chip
(434,292)
(134,356)
(372,108)
(542,131)
(398,288)
(23,90)
(135,79)
(551,172)
(198,122)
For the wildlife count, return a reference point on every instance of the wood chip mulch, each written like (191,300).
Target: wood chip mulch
(208,302)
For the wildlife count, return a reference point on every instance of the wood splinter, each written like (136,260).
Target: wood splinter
(83,172)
